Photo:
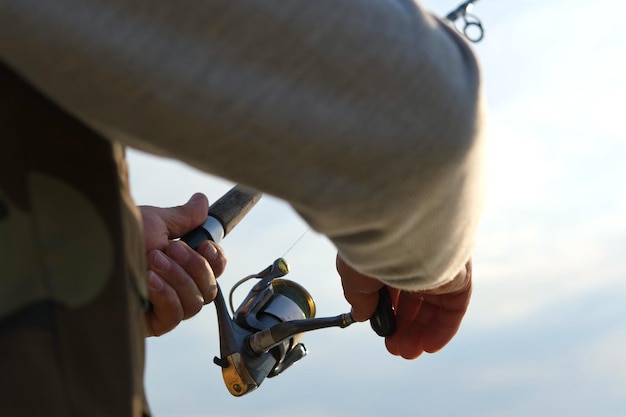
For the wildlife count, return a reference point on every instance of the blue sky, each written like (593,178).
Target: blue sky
(546,330)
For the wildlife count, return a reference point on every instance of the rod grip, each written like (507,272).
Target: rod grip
(223,216)
(233,206)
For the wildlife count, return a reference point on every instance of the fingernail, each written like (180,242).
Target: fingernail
(211,253)
(178,252)
(161,261)
(194,198)
(356,317)
(154,281)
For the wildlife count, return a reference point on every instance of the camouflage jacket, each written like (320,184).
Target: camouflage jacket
(72,289)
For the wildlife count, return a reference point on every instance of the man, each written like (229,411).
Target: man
(364,115)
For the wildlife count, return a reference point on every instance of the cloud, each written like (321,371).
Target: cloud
(554,220)
(605,360)
(542,335)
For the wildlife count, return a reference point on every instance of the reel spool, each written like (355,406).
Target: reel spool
(271,302)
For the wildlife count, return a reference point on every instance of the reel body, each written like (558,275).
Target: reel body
(262,339)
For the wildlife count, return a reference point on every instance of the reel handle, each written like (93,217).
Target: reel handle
(383,321)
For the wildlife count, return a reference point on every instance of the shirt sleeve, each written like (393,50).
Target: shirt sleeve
(365,115)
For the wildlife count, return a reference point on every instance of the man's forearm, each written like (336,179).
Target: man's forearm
(364,115)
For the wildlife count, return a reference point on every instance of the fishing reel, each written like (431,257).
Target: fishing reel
(262,338)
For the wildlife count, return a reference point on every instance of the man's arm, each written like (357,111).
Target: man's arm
(364,115)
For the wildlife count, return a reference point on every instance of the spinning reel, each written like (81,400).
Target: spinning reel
(262,338)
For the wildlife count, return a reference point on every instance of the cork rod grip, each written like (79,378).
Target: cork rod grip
(223,216)
(233,206)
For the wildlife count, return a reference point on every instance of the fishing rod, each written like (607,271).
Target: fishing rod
(472,28)
(262,338)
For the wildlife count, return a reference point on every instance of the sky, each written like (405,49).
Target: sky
(545,334)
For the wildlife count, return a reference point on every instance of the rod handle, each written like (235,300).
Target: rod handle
(223,216)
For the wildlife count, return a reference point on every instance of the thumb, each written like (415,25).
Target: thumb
(182,219)
(359,290)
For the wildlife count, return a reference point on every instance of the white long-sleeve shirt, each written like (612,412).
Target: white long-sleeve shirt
(365,115)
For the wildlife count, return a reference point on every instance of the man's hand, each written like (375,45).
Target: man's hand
(180,279)
(425,321)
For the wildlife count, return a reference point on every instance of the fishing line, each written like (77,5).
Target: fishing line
(296,242)
(249,277)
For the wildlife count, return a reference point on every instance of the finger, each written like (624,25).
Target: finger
(363,305)
(165,311)
(408,305)
(359,290)
(436,337)
(196,267)
(215,255)
(437,320)
(173,274)
(406,340)
(183,219)
(445,317)
(431,329)
(394,295)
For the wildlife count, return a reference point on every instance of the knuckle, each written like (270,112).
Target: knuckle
(166,320)
(158,260)
(193,307)
(173,312)
(179,251)
(210,293)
